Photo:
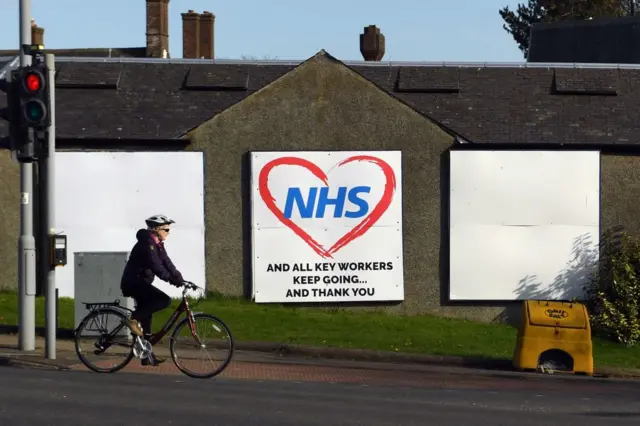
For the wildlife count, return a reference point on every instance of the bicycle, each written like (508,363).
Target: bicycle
(141,347)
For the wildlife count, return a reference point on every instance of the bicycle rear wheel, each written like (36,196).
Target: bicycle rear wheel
(203,351)
(104,341)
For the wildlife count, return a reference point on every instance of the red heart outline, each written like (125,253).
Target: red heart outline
(358,230)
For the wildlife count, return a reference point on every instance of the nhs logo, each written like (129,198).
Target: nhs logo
(314,203)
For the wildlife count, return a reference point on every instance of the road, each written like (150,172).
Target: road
(30,397)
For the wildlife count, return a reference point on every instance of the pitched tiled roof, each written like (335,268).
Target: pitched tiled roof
(107,52)
(488,103)
(152,100)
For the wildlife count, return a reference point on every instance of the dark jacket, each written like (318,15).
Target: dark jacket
(147,260)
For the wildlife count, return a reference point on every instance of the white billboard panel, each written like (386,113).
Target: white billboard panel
(523,224)
(102,199)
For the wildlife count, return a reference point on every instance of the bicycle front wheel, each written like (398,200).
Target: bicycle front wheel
(203,350)
(103,341)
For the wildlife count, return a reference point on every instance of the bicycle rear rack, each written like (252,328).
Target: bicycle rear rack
(98,305)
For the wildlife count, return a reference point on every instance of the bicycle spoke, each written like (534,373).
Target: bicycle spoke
(209,357)
(103,341)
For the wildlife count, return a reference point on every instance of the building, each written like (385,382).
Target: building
(228,108)
(600,40)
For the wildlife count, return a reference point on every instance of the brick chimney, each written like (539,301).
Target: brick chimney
(157,28)
(372,44)
(207,20)
(190,35)
(37,34)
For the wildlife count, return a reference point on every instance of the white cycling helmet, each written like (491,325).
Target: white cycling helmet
(158,220)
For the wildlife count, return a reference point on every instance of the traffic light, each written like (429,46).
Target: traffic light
(9,112)
(28,108)
(33,93)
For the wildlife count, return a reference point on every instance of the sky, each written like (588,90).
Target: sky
(415,30)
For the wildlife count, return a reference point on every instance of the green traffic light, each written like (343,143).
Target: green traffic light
(34,111)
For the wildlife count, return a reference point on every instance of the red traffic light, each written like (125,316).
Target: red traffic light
(33,82)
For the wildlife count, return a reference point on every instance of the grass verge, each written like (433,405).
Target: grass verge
(359,330)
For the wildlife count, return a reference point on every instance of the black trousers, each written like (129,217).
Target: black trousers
(149,300)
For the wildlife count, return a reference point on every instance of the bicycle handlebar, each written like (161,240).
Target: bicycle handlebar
(188,285)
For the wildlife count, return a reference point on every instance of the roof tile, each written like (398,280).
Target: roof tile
(217,78)
(586,81)
(427,80)
(88,75)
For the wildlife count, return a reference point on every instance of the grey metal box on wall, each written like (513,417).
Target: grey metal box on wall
(97,280)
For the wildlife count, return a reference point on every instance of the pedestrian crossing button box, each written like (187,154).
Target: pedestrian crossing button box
(58,250)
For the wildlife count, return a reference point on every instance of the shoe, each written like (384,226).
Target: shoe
(153,360)
(135,327)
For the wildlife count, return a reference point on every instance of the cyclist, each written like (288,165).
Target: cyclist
(147,260)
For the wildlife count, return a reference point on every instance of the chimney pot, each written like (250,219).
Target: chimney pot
(37,34)
(157,28)
(372,44)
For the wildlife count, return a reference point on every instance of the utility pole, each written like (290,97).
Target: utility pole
(46,176)
(26,243)
(44,209)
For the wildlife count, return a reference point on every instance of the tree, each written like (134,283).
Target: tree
(519,23)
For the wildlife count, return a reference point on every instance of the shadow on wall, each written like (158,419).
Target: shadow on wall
(571,282)
(610,245)
(445,185)
(247,252)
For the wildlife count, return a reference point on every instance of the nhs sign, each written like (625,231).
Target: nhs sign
(327,226)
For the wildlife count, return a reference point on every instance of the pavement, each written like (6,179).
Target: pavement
(32,397)
(290,366)
(270,356)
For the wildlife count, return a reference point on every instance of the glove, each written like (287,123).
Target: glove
(188,284)
(176,283)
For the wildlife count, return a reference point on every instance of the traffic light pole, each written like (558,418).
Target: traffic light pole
(46,175)
(26,243)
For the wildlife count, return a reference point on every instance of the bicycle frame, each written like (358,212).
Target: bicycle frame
(183,307)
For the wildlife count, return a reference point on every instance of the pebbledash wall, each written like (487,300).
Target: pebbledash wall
(323,105)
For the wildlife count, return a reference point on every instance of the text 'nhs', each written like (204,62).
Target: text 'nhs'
(346,203)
